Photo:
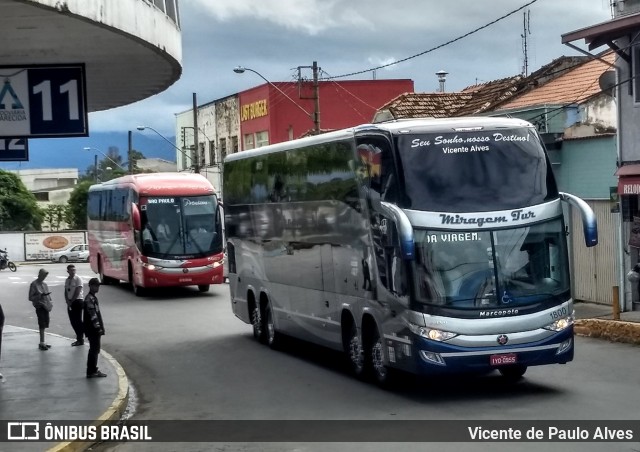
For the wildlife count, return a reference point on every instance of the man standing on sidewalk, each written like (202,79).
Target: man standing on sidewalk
(94,328)
(74,296)
(40,297)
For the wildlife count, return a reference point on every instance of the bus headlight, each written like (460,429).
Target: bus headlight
(151,266)
(560,324)
(431,333)
(216,264)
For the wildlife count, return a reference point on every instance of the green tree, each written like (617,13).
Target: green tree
(76,214)
(19,210)
(134,156)
(54,214)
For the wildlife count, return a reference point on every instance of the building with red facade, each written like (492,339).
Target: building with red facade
(282,111)
(273,113)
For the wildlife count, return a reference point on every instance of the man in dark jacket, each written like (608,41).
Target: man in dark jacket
(1,327)
(93,328)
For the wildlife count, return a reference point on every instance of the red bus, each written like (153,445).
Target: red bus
(156,230)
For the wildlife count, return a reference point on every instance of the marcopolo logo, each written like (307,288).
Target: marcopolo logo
(189,202)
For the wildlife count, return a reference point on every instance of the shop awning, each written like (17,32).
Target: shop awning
(629,179)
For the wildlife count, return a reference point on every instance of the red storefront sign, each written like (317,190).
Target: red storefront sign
(629,186)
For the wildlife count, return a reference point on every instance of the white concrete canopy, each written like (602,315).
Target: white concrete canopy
(131,49)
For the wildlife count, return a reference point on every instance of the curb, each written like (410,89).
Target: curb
(612,330)
(113,413)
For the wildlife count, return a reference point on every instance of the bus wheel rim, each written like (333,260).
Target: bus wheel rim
(256,321)
(271,330)
(355,352)
(377,360)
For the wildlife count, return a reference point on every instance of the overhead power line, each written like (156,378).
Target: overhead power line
(439,46)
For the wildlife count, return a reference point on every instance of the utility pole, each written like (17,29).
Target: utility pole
(129,153)
(316,95)
(526,30)
(316,99)
(95,167)
(196,147)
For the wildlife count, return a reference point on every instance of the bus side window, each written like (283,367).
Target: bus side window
(376,156)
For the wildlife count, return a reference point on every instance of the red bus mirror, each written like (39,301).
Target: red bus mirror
(135,216)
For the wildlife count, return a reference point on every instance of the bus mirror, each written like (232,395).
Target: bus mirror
(135,217)
(405,229)
(589,222)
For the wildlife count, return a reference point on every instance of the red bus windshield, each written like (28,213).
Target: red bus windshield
(180,227)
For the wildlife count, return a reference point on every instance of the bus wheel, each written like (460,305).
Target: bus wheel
(273,337)
(137,290)
(203,287)
(513,373)
(104,280)
(381,373)
(256,322)
(355,352)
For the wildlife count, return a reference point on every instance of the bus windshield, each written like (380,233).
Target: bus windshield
(491,269)
(472,171)
(180,227)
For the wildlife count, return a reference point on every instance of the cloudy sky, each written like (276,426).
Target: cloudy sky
(274,37)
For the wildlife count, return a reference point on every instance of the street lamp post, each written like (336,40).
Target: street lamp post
(315,117)
(195,166)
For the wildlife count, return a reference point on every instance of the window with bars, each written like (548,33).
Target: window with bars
(212,153)
(248,142)
(223,148)
(262,138)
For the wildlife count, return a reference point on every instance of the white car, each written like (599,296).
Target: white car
(73,253)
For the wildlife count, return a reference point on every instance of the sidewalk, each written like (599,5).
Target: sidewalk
(595,320)
(51,385)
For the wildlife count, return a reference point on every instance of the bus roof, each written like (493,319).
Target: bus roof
(414,125)
(159,184)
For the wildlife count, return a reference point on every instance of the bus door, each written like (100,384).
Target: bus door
(329,310)
(379,181)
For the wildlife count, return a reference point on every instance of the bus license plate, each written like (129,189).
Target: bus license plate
(501,360)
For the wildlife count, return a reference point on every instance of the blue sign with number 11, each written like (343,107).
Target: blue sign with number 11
(43,101)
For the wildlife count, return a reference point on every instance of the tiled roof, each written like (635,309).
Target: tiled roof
(475,99)
(572,87)
(472,100)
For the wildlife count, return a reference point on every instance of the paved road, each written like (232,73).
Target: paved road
(190,358)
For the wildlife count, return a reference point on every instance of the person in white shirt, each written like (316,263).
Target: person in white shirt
(74,296)
(163,230)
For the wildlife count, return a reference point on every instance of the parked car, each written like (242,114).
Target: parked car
(73,253)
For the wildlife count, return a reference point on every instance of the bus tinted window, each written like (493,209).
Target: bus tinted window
(174,227)
(93,205)
(475,171)
(314,173)
(459,269)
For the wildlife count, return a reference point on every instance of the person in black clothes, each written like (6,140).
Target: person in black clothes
(93,328)
(636,268)
(1,327)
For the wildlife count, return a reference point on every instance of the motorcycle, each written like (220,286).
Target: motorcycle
(5,262)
